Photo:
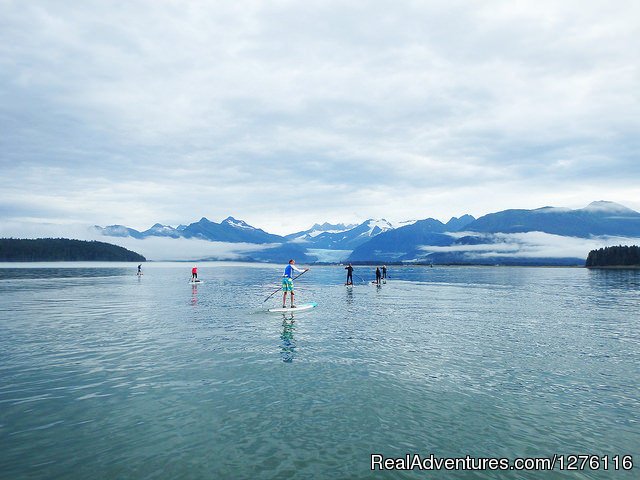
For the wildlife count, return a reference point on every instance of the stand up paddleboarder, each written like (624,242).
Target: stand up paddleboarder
(287,282)
(349,270)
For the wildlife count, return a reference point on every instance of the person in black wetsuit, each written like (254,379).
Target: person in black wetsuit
(378,275)
(349,270)
(384,272)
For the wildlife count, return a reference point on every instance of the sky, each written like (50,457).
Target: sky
(285,114)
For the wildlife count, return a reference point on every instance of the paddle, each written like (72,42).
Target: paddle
(279,289)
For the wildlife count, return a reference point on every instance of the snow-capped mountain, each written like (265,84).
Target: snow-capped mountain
(403,223)
(350,239)
(545,235)
(325,236)
(159,230)
(316,230)
(229,230)
(118,231)
(397,244)
(501,237)
(232,222)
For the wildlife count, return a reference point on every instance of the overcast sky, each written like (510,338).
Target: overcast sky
(284,114)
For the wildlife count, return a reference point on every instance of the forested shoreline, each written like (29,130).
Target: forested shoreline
(63,250)
(619,256)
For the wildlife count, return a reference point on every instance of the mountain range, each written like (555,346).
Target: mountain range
(502,237)
(229,230)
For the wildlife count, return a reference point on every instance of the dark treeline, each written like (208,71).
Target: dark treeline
(63,249)
(614,256)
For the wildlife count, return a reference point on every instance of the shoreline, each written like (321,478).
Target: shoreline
(614,267)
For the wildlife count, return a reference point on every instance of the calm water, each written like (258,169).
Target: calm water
(107,375)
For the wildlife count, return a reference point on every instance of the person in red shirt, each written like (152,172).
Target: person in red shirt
(194,274)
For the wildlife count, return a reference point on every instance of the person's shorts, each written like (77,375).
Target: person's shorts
(287,284)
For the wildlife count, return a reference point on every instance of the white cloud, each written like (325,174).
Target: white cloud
(530,245)
(286,114)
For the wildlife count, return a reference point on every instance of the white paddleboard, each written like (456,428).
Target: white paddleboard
(196,283)
(300,308)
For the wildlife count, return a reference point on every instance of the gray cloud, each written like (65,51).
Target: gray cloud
(285,114)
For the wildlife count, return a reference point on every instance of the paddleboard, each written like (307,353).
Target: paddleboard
(196,283)
(300,308)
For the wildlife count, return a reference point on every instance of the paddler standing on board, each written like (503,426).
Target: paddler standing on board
(349,270)
(287,282)
(194,274)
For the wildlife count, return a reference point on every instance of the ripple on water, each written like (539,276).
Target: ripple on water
(107,375)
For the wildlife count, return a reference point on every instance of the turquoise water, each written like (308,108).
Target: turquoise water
(107,375)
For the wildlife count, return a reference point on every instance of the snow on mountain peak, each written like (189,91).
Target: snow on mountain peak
(403,223)
(316,232)
(377,226)
(326,227)
(237,223)
(158,227)
(604,206)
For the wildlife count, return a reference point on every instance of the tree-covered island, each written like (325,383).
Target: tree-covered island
(63,250)
(620,256)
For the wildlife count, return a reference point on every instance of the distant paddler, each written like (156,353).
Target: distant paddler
(378,276)
(287,282)
(349,270)
(194,274)
(139,269)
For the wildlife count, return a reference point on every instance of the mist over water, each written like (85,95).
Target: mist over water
(104,374)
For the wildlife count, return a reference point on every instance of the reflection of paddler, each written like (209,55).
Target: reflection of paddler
(194,295)
(288,346)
